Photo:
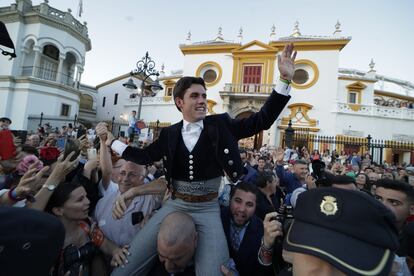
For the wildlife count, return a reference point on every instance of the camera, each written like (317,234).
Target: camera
(285,216)
(73,257)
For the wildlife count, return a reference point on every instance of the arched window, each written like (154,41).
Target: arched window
(86,102)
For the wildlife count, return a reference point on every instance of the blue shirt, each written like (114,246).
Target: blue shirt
(287,179)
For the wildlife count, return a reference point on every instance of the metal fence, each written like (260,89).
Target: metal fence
(349,144)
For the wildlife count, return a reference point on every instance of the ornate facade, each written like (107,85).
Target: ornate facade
(44,80)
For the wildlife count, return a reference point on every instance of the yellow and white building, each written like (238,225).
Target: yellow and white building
(326,100)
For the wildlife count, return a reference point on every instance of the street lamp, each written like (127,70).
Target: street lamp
(145,68)
(41,119)
(289,132)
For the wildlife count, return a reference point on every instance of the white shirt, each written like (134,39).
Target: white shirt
(132,120)
(122,231)
(191,131)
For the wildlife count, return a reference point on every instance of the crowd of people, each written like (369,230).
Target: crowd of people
(394,103)
(193,203)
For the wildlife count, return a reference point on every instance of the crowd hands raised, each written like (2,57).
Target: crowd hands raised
(103,201)
(99,198)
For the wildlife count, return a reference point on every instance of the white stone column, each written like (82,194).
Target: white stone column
(60,68)
(24,52)
(226,104)
(36,63)
(79,71)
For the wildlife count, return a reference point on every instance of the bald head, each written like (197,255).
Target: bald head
(177,240)
(177,228)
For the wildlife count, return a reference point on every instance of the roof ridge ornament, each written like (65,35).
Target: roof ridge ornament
(219,34)
(371,65)
(240,35)
(162,72)
(273,33)
(188,39)
(296,31)
(338,30)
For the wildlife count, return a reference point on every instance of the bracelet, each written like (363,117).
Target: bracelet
(265,255)
(265,248)
(285,80)
(13,195)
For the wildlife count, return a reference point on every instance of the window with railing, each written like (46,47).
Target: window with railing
(48,69)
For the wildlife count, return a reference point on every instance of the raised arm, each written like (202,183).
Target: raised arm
(278,160)
(63,167)
(104,157)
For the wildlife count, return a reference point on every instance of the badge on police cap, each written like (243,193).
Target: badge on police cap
(329,206)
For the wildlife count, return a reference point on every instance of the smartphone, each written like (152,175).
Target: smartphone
(60,143)
(137,217)
(92,154)
(7,147)
(71,145)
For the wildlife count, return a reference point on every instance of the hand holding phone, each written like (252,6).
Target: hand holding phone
(92,154)
(71,145)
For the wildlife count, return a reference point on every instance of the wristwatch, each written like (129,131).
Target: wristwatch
(50,187)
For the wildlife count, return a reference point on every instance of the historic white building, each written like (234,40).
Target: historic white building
(44,80)
(326,99)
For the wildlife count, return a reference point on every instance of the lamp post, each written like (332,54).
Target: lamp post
(112,124)
(74,121)
(289,132)
(41,119)
(145,68)
(156,129)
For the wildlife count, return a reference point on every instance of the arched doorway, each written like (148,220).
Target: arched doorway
(253,142)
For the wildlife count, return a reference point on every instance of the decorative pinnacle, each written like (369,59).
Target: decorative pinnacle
(372,65)
(188,36)
(296,31)
(219,34)
(240,32)
(162,68)
(273,32)
(240,35)
(337,28)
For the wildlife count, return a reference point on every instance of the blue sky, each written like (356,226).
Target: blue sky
(122,31)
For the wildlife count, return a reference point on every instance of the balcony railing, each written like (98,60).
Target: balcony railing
(375,110)
(47,74)
(249,88)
